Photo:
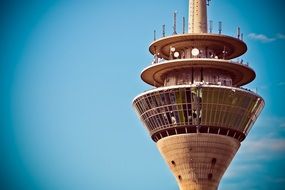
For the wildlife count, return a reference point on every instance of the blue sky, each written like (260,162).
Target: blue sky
(70,69)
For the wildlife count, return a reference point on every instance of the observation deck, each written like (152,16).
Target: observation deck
(214,109)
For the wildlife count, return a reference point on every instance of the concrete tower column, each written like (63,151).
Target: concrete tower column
(197,16)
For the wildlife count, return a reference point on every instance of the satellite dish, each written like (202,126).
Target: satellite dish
(176,54)
(172,49)
(195,52)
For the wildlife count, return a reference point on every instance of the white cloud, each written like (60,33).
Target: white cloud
(266,122)
(265,39)
(281,84)
(280,36)
(251,159)
(242,168)
(255,156)
(265,145)
(261,37)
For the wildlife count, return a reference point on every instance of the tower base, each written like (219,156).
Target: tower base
(198,161)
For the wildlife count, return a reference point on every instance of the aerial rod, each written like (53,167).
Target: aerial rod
(238,32)
(220,27)
(183,25)
(163,30)
(211,26)
(208,2)
(174,24)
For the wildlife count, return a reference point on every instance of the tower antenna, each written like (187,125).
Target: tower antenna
(174,24)
(208,2)
(163,30)
(183,27)
(220,27)
(238,32)
(211,26)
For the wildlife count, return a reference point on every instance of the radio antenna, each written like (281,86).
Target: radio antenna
(174,25)
(163,30)
(183,28)
(211,26)
(220,27)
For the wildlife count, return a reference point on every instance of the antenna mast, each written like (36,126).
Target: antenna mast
(208,2)
(238,32)
(220,27)
(174,25)
(163,30)
(211,26)
(183,27)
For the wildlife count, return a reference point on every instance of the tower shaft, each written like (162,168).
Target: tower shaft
(197,16)
(198,161)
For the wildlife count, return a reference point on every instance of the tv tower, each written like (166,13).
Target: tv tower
(198,114)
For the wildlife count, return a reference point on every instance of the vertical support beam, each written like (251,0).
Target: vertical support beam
(197,16)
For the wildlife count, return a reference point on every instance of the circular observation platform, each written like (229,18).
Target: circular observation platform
(241,74)
(216,42)
(192,109)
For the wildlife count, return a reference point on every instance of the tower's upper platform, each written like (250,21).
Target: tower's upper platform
(221,45)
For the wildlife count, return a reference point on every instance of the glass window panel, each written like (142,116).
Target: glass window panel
(146,104)
(162,98)
(167,98)
(154,124)
(142,104)
(168,115)
(151,103)
(219,113)
(176,115)
(188,96)
(158,121)
(154,102)
(179,101)
(172,98)
(165,119)
(224,112)
(158,100)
